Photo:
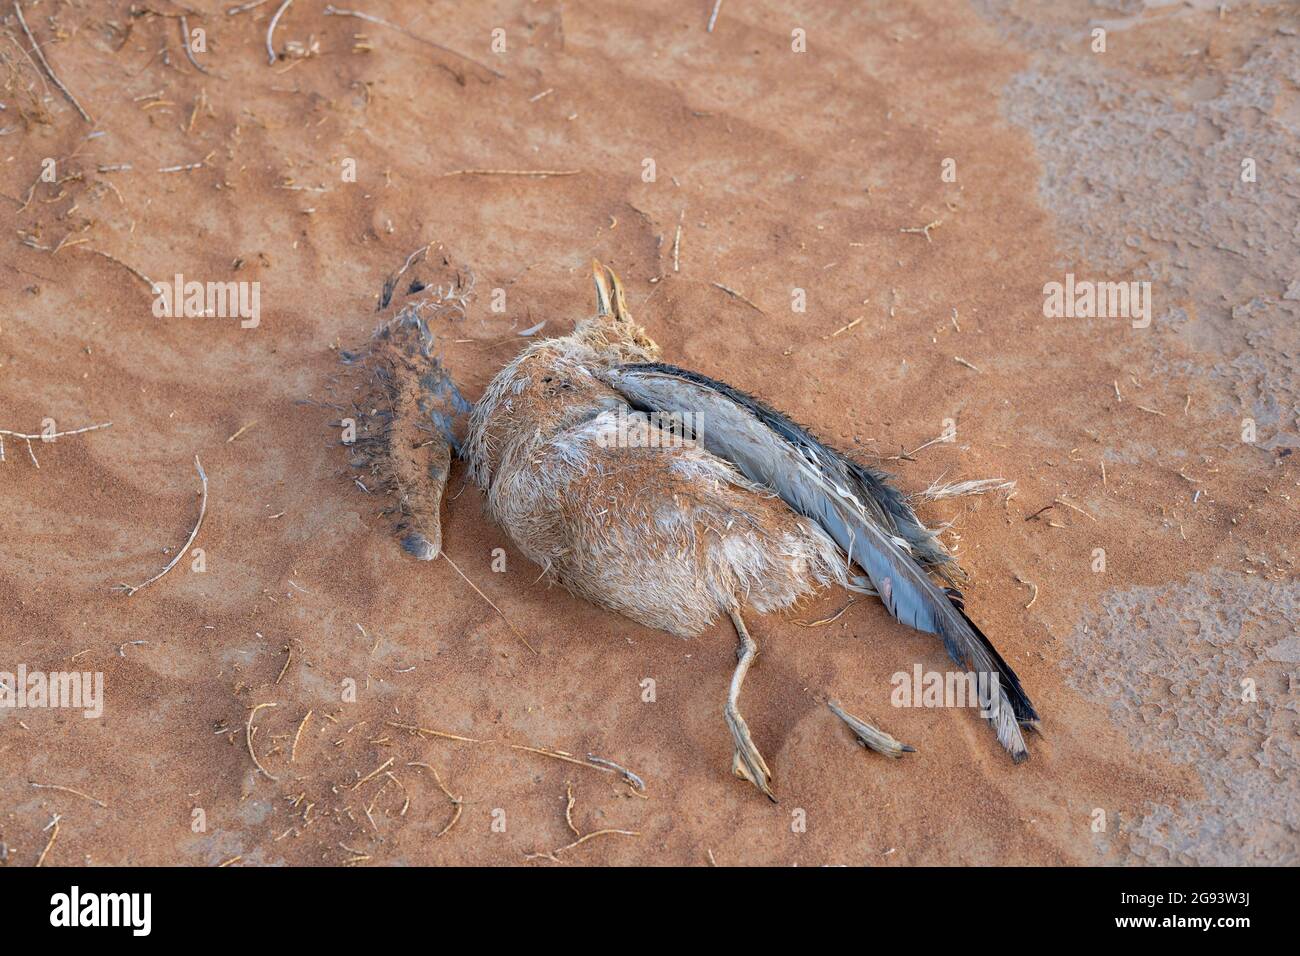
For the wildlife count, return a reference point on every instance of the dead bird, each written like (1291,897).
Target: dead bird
(662,494)
(674,498)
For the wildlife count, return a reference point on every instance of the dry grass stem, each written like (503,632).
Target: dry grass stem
(129,589)
(54,786)
(514,629)
(248,739)
(49,70)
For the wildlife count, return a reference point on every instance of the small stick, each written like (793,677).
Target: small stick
(568,810)
(961,361)
(871,737)
(203,507)
(248,738)
(539,173)
(1040,511)
(828,620)
(713,17)
(49,70)
(570,800)
(736,295)
(1030,584)
(553,855)
(907,455)
(374,773)
(457,802)
(131,269)
(924,230)
(287,661)
(555,754)
(592,761)
(53,822)
(244,7)
(293,750)
(489,601)
(241,431)
(333,11)
(677,248)
(185,42)
(460,808)
(628,775)
(844,328)
(270,31)
(426,732)
(75,431)
(73,790)
(1062,501)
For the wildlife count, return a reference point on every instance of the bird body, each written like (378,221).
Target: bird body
(625,512)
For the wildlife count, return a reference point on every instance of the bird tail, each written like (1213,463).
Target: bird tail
(866,516)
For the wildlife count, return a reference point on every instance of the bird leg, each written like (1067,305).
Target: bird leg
(747,763)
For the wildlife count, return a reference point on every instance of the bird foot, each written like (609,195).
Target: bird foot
(747,763)
(873,738)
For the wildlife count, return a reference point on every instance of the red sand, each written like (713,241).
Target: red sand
(783,171)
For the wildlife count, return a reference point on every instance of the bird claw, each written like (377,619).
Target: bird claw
(747,763)
(871,737)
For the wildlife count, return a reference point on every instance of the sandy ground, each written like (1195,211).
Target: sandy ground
(783,171)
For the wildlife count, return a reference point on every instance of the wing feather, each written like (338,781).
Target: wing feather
(865,515)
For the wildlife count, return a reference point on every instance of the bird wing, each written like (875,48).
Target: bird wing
(867,517)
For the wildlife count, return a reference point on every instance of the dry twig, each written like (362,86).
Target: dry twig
(49,70)
(72,790)
(333,11)
(489,601)
(539,173)
(129,589)
(248,739)
(270,31)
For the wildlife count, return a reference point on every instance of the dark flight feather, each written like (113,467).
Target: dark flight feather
(865,515)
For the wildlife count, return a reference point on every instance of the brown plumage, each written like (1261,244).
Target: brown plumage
(673,499)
